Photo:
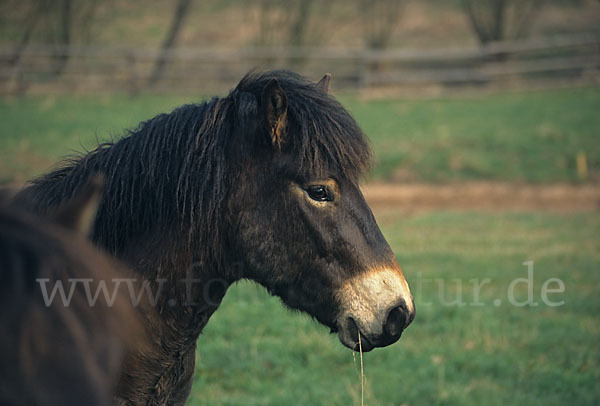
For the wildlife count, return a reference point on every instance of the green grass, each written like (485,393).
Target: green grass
(38,131)
(528,137)
(254,351)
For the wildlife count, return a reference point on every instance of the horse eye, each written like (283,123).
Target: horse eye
(318,193)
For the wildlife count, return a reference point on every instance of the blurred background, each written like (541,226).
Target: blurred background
(199,46)
(484,120)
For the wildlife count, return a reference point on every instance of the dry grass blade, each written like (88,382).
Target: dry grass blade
(362,374)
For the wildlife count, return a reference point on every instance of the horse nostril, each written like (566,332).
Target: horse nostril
(396,321)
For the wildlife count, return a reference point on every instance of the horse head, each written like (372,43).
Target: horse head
(300,224)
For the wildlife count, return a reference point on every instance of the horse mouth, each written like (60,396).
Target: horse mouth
(376,307)
(350,337)
(363,344)
(357,339)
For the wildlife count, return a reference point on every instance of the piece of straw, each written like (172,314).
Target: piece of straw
(362,374)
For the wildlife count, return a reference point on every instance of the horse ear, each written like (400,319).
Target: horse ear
(323,84)
(274,105)
(79,214)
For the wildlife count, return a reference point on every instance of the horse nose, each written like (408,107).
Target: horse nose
(397,320)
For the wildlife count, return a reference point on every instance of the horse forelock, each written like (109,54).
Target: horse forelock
(321,135)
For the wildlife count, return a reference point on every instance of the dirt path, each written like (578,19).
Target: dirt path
(484,195)
(471,195)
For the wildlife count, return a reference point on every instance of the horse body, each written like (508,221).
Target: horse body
(159,244)
(57,353)
(261,184)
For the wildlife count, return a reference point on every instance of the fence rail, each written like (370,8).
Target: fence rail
(566,59)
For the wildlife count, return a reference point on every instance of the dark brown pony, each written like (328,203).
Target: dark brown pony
(53,352)
(261,184)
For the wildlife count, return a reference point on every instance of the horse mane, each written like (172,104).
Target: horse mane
(182,166)
(323,137)
(170,168)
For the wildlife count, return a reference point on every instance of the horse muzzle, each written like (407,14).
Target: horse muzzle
(376,308)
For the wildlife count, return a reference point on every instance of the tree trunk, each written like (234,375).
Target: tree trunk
(64,37)
(29,28)
(176,24)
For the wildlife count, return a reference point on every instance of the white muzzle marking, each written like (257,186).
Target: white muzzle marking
(369,296)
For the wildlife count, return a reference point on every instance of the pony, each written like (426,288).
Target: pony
(262,184)
(59,353)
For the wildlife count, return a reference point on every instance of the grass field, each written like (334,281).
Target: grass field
(529,137)
(254,352)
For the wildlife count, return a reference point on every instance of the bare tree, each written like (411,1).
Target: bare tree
(64,36)
(300,22)
(288,22)
(181,11)
(284,22)
(56,23)
(34,13)
(381,17)
(272,20)
(497,20)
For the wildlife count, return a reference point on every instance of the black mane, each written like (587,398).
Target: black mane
(174,168)
(324,138)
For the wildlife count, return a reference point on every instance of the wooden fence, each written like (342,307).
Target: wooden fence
(547,61)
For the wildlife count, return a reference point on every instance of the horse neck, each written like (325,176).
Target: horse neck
(185,288)
(190,292)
